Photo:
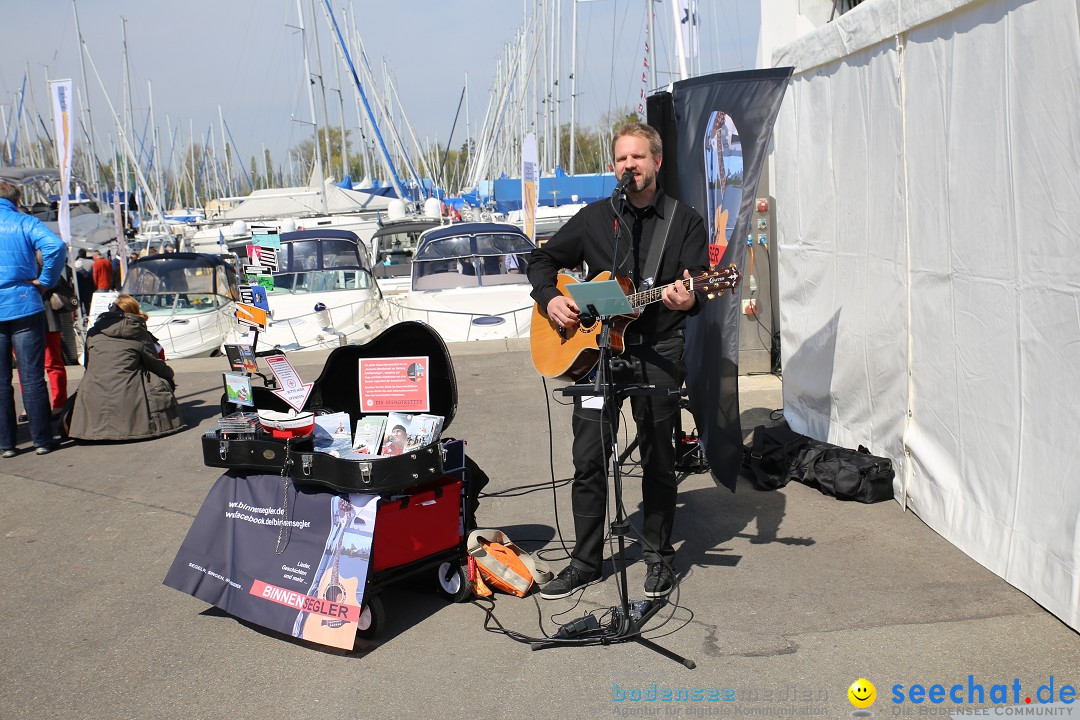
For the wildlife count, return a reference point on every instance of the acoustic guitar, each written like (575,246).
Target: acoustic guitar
(570,353)
(335,589)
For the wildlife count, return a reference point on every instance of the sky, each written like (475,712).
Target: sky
(246,57)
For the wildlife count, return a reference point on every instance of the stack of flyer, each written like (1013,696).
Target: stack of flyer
(239,425)
(394,434)
(333,434)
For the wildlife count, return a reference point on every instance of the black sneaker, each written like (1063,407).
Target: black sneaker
(566,583)
(659,580)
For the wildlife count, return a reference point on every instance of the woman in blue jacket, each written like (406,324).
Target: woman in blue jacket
(22,317)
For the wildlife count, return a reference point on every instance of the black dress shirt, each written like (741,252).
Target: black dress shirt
(589,238)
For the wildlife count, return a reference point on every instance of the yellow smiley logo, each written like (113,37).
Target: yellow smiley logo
(862,693)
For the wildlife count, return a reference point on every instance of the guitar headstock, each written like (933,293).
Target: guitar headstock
(715,282)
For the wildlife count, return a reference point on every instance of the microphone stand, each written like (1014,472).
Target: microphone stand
(631,616)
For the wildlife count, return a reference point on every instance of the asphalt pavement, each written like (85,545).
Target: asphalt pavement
(785,599)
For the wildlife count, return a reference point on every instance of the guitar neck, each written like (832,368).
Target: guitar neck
(646,297)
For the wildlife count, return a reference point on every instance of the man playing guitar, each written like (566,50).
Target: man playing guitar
(660,241)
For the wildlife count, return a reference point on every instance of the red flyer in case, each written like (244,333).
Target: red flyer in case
(394,384)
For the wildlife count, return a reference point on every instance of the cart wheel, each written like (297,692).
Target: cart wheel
(454,582)
(372,617)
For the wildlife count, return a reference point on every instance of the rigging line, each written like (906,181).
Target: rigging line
(270,75)
(611,63)
(233,90)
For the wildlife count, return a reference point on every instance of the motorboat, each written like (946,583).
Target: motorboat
(188,299)
(40,188)
(392,247)
(468,281)
(323,294)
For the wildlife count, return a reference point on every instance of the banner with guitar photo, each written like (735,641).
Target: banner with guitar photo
(297,567)
(716,131)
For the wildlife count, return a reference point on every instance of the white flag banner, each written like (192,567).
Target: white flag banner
(530,182)
(63,112)
(688,26)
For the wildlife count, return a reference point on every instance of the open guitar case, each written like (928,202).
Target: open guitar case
(337,389)
(428,495)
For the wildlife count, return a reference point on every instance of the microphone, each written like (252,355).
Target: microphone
(624,182)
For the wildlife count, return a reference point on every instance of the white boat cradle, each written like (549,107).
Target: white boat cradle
(188,298)
(321,204)
(548,219)
(468,282)
(324,295)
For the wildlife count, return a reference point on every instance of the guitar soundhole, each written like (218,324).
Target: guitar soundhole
(588,323)
(334,594)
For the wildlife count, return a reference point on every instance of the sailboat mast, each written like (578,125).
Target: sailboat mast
(363,96)
(94,179)
(322,89)
(225,149)
(311,107)
(155,158)
(128,123)
(341,118)
(191,144)
(573,86)
(652,45)
(558,92)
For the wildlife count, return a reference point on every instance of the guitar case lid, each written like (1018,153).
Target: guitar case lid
(337,388)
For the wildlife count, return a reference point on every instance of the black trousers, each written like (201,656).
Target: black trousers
(660,365)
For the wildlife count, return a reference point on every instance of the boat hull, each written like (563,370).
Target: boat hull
(465,315)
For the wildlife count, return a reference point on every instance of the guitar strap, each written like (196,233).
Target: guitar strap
(661,230)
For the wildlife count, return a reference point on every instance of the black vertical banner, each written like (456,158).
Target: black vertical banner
(716,131)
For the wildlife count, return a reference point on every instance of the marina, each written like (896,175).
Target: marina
(885,203)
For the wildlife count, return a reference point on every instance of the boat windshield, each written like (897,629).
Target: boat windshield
(164,284)
(321,265)
(394,252)
(472,261)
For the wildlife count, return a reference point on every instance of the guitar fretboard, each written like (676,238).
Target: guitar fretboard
(643,298)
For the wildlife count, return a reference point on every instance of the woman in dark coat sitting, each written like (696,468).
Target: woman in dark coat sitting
(127,391)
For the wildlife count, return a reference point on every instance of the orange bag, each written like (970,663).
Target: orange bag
(503,565)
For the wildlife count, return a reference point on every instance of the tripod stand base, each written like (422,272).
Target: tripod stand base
(624,629)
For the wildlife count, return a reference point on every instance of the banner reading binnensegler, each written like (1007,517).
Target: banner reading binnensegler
(298,566)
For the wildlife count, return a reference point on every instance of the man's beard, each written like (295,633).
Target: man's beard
(646,182)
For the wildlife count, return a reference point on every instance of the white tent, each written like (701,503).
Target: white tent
(927,182)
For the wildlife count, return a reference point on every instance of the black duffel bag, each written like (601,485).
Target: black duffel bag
(844,473)
(772,455)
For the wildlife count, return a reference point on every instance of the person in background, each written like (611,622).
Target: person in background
(132,224)
(22,317)
(82,262)
(102,272)
(127,391)
(115,261)
(84,279)
(55,369)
